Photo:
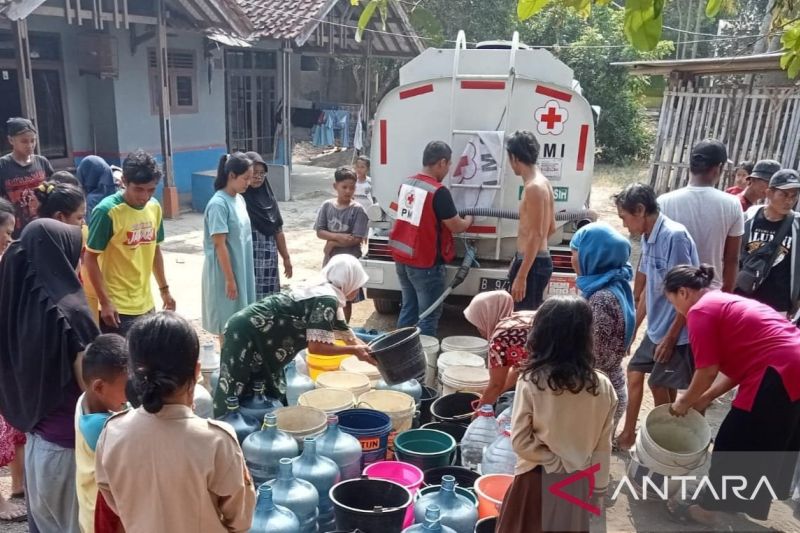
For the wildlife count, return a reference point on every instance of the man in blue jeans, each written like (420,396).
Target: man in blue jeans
(421,239)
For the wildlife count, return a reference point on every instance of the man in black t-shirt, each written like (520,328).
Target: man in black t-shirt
(22,171)
(781,288)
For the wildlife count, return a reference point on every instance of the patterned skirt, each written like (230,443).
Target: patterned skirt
(265,259)
(10,438)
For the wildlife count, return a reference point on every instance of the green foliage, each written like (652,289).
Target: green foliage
(528,8)
(643,23)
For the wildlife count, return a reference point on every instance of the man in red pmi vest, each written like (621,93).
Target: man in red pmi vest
(422,238)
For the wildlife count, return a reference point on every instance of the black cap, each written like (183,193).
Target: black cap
(255,157)
(18,125)
(785,179)
(764,169)
(709,153)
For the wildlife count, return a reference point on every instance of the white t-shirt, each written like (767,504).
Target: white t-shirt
(711,216)
(363,193)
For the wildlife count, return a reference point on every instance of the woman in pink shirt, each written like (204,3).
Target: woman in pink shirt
(738,341)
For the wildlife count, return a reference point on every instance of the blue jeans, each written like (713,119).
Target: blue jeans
(421,287)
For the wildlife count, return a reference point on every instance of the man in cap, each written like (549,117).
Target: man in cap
(714,219)
(780,288)
(22,171)
(757,183)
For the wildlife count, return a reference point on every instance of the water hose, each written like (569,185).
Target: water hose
(461,275)
(560,216)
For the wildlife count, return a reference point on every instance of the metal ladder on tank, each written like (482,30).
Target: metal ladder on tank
(509,79)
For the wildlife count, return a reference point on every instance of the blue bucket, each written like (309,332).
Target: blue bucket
(371,428)
(367,335)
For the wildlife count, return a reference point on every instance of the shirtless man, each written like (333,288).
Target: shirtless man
(531,267)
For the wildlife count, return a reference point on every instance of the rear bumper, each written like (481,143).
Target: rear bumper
(383,280)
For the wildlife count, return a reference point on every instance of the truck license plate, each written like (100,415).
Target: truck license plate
(493,284)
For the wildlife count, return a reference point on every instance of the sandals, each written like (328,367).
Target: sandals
(17,513)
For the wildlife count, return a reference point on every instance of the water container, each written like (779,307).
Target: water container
(462,343)
(297,495)
(258,405)
(296,384)
(300,362)
(505,417)
(343,449)
(242,425)
(271,517)
(457,358)
(399,355)
(504,401)
(203,403)
(399,406)
(430,345)
(323,474)
(331,401)
(358,384)
(410,387)
(299,421)
(209,358)
(499,457)
(319,364)
(482,432)
(464,379)
(457,511)
(263,449)
(431,524)
(370,505)
(357,366)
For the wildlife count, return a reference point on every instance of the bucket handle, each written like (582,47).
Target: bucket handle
(690,466)
(380,508)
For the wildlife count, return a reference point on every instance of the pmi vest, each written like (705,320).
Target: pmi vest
(414,235)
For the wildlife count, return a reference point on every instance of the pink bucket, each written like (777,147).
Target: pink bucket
(403,474)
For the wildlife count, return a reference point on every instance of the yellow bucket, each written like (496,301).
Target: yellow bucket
(317,364)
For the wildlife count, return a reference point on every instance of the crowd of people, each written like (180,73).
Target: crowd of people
(98,399)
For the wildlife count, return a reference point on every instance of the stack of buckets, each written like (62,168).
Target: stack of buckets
(669,446)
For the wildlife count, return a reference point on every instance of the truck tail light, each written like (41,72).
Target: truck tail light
(562,261)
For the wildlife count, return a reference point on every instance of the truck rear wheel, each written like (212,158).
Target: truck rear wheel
(386,306)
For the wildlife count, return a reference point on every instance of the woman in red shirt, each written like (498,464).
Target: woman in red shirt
(738,341)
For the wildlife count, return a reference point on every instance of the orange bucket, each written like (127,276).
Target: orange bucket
(491,489)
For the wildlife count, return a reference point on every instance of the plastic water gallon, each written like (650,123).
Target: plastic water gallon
(343,449)
(456,511)
(263,449)
(499,457)
(209,364)
(203,403)
(410,387)
(464,379)
(463,343)
(296,383)
(356,365)
(258,405)
(482,432)
(323,474)
(243,425)
(271,517)
(457,358)
(300,362)
(297,495)
(431,524)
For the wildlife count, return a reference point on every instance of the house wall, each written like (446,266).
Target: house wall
(113,117)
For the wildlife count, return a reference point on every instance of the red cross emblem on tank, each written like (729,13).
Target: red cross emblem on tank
(551,118)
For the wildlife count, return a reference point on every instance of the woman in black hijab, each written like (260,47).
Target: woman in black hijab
(47,326)
(268,238)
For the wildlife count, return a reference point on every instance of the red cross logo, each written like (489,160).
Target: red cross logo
(551,118)
(410,199)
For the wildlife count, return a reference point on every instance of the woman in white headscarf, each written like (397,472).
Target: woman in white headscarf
(262,338)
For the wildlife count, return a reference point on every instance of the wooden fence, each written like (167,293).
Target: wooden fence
(754,123)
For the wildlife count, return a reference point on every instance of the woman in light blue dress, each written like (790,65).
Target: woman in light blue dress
(229,283)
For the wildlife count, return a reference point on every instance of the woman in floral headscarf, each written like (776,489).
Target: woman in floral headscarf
(262,338)
(507,332)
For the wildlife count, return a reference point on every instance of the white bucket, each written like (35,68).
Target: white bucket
(655,469)
(464,379)
(458,358)
(637,472)
(357,384)
(300,421)
(209,358)
(464,343)
(398,405)
(329,400)
(357,366)
(679,442)
(430,345)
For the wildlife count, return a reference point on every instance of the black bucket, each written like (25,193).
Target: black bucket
(454,429)
(464,476)
(486,525)
(504,402)
(456,407)
(429,395)
(399,355)
(371,505)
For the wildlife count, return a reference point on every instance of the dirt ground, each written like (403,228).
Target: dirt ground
(311,186)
